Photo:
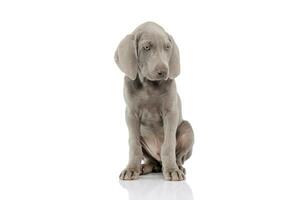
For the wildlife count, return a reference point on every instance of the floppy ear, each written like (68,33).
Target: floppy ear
(126,56)
(174,63)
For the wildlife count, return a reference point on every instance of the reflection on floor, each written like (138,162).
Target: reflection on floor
(153,186)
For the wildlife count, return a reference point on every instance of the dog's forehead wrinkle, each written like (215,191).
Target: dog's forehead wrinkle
(152,32)
(154,39)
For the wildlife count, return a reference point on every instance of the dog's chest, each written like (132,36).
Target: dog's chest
(150,107)
(151,116)
(148,101)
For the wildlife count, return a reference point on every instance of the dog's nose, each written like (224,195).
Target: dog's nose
(161,73)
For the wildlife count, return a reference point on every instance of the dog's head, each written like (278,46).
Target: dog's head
(150,51)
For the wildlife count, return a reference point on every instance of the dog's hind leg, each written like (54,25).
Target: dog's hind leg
(184,143)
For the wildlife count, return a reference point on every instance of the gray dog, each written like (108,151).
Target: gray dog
(157,133)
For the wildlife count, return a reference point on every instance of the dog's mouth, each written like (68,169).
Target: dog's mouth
(153,78)
(153,82)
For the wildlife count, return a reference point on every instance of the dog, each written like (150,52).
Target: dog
(158,135)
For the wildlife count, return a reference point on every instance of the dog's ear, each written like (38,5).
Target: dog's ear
(174,63)
(126,56)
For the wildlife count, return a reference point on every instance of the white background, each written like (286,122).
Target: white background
(62,127)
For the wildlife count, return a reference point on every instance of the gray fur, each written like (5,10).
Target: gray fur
(149,57)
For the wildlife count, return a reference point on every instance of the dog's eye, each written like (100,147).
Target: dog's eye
(147,48)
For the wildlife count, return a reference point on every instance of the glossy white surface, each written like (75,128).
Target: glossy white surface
(153,186)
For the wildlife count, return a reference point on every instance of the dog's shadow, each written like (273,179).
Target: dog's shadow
(153,186)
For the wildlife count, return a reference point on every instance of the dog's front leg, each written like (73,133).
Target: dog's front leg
(170,169)
(133,169)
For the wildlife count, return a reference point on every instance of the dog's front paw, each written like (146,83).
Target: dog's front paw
(130,173)
(173,174)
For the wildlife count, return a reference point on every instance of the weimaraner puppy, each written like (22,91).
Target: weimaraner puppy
(149,57)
